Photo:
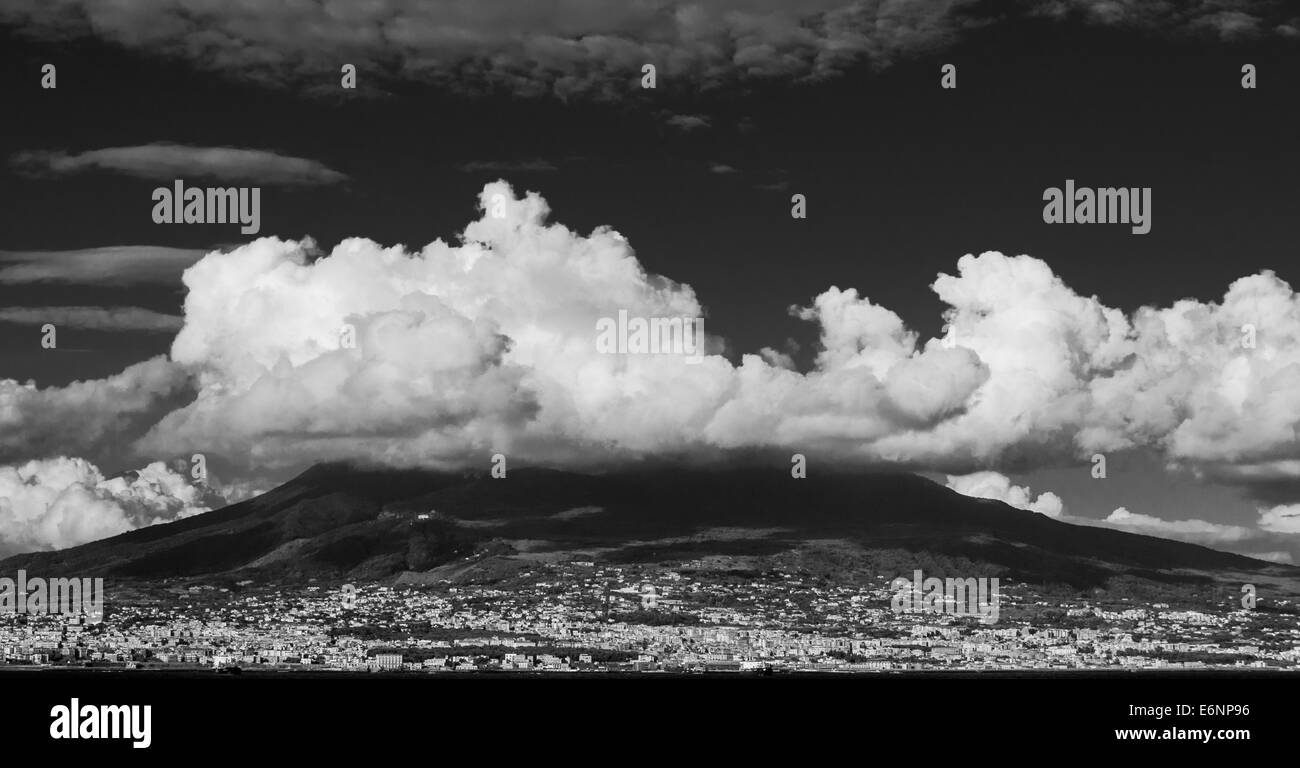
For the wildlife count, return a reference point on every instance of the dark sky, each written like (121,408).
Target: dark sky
(901,177)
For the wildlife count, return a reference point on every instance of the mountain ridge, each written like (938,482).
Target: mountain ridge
(347,522)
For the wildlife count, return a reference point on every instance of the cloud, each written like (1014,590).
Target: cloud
(489,346)
(112,266)
(1225,19)
(1237,538)
(164,162)
(777,358)
(1231,24)
(572,47)
(688,122)
(564,48)
(94,318)
(1275,527)
(509,166)
(721,168)
(96,418)
(1195,531)
(1215,385)
(1281,519)
(994,485)
(62,502)
(443,356)
(235,491)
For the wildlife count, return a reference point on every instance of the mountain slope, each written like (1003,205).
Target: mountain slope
(340,521)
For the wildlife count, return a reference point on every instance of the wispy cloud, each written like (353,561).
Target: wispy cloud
(118,265)
(536,165)
(688,122)
(95,318)
(1196,531)
(163,161)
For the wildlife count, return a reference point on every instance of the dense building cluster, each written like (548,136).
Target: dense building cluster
(579,615)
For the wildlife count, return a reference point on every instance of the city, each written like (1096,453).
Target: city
(585,616)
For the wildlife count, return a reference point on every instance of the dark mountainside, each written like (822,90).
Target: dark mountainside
(336,521)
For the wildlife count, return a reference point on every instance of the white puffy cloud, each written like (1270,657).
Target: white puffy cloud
(490,345)
(1042,345)
(1213,384)
(995,485)
(61,502)
(1210,385)
(465,350)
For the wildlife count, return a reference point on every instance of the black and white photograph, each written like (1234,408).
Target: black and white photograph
(378,374)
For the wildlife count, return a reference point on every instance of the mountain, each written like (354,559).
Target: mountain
(339,521)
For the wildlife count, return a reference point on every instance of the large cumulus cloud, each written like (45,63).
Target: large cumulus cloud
(489,345)
(1216,385)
